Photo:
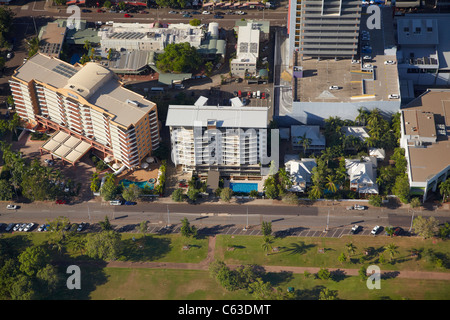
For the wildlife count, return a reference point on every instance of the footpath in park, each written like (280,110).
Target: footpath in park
(203,265)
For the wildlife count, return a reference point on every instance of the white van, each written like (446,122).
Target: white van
(258,94)
(115,203)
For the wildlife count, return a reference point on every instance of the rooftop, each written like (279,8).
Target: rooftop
(93,83)
(224,116)
(429,114)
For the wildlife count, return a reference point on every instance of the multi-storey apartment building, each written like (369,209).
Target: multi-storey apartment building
(229,139)
(89,103)
(324,28)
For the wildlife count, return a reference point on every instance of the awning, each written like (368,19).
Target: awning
(66,146)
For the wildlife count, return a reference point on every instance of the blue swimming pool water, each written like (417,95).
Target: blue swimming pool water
(141,184)
(243,187)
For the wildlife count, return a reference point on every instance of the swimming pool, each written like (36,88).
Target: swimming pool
(243,187)
(141,184)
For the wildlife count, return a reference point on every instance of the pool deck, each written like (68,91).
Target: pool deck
(140,175)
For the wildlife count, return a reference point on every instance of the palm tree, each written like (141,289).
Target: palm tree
(362,116)
(305,142)
(391,249)
(331,186)
(316,191)
(351,248)
(267,244)
(444,189)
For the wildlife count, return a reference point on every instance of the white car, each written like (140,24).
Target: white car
(115,203)
(41,228)
(240,12)
(375,230)
(28,227)
(368,66)
(206,12)
(16,227)
(9,55)
(355,229)
(333,88)
(389,62)
(394,96)
(355,61)
(11,207)
(367,58)
(359,207)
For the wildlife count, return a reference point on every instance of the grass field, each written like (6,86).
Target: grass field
(163,284)
(324,252)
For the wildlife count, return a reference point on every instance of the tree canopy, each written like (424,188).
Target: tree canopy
(178,58)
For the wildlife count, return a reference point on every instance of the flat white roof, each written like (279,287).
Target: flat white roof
(225,116)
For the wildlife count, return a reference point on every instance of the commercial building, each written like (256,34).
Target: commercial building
(324,28)
(230,139)
(423,53)
(88,103)
(425,130)
(319,85)
(247,51)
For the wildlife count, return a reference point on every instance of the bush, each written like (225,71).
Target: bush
(178,195)
(375,200)
(324,274)
(226,194)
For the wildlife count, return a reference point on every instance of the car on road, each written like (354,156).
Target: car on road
(127,15)
(187,15)
(99,11)
(375,230)
(218,16)
(11,207)
(86,10)
(115,203)
(355,229)
(206,12)
(241,12)
(173,12)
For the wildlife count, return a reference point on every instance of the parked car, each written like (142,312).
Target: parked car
(263,95)
(16,227)
(355,61)
(41,228)
(333,88)
(127,15)
(375,230)
(394,96)
(218,16)
(206,12)
(359,207)
(11,207)
(61,201)
(241,12)
(81,226)
(389,62)
(398,232)
(9,227)
(28,227)
(9,55)
(187,15)
(367,58)
(368,66)
(355,229)
(115,203)
(130,203)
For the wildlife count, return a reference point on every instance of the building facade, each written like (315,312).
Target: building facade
(87,102)
(229,139)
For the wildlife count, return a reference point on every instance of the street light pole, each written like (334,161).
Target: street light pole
(168,216)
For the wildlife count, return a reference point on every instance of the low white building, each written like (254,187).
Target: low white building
(362,174)
(300,173)
(247,51)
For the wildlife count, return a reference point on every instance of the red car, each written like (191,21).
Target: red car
(263,95)
(249,94)
(99,10)
(126,15)
(61,201)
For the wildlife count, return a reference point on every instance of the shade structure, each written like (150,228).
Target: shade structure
(150,159)
(67,147)
(144,165)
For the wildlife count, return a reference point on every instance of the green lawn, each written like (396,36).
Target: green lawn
(163,284)
(324,252)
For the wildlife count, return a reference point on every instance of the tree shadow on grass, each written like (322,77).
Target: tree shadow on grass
(147,248)
(298,248)
(309,294)
(278,278)
(92,274)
